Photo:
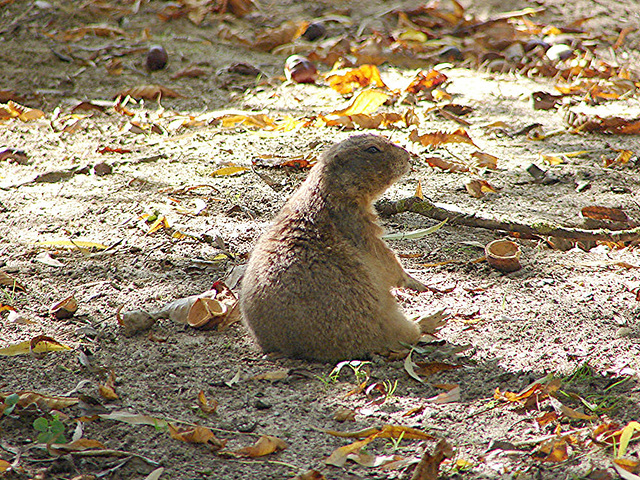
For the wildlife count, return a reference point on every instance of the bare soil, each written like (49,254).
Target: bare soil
(573,314)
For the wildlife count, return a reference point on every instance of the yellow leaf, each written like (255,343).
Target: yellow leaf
(229,170)
(625,436)
(4,466)
(41,346)
(72,243)
(365,103)
(339,456)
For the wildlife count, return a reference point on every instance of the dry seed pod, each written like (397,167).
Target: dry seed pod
(206,313)
(503,255)
(299,69)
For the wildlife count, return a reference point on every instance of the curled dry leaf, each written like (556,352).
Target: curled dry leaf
(80,445)
(478,187)
(108,389)
(273,376)
(7,280)
(196,434)
(265,445)
(308,475)
(37,345)
(429,465)
(452,395)
(51,402)
(149,92)
(64,308)
(343,414)
(13,155)
(12,109)
(207,407)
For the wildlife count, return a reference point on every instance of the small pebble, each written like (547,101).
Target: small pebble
(559,52)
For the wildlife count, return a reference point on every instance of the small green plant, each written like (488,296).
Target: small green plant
(360,370)
(389,389)
(51,431)
(394,443)
(10,403)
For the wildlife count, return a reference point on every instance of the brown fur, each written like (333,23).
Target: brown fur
(318,282)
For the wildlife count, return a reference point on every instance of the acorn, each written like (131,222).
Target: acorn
(300,69)
(157,58)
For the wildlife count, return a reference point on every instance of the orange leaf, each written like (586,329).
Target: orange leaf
(438,138)
(362,76)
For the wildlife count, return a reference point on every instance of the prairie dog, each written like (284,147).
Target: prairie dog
(317,285)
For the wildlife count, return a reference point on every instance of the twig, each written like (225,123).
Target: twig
(544,229)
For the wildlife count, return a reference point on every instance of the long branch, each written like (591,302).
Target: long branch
(545,229)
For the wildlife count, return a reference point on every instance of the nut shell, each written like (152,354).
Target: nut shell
(503,255)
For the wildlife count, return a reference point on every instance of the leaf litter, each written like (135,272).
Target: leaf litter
(420,37)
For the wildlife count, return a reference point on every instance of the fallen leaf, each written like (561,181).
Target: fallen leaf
(343,414)
(477,187)
(7,280)
(135,419)
(425,82)
(273,375)
(39,344)
(207,407)
(596,212)
(52,402)
(196,434)
(438,138)
(452,166)
(485,160)
(429,465)
(4,466)
(108,389)
(265,445)
(362,76)
(65,308)
(338,457)
(149,92)
(365,103)
(451,396)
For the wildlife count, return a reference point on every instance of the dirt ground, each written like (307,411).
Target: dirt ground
(568,315)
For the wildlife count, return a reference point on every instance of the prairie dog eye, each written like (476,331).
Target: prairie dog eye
(372,149)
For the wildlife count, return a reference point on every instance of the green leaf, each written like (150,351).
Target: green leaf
(41,424)
(414,234)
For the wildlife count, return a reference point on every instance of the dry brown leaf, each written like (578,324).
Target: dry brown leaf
(196,434)
(80,445)
(97,30)
(593,123)
(438,162)
(309,475)
(362,76)
(596,212)
(205,405)
(108,389)
(64,308)
(7,280)
(343,414)
(338,457)
(265,445)
(189,72)
(274,37)
(427,369)
(485,160)
(477,187)
(429,465)
(149,92)
(24,113)
(452,395)
(51,402)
